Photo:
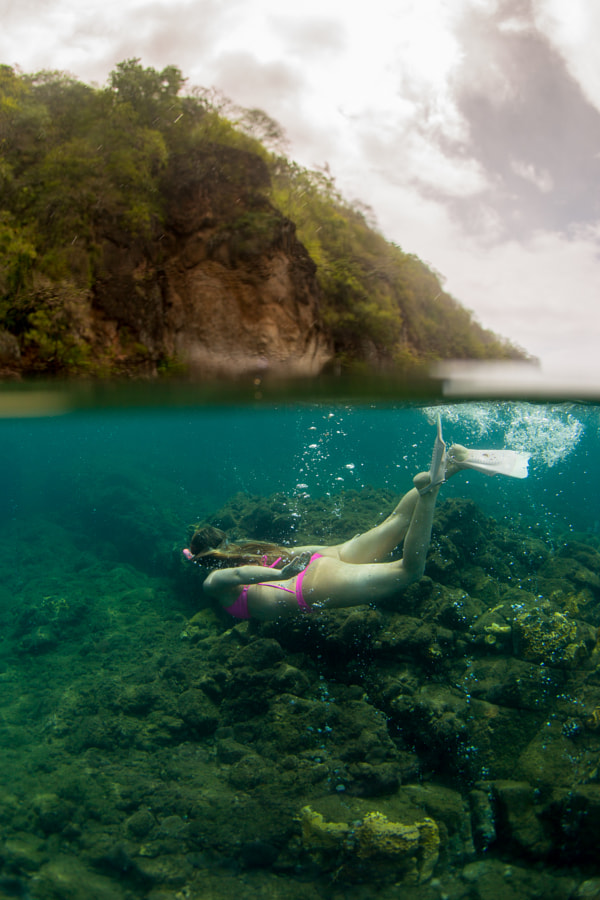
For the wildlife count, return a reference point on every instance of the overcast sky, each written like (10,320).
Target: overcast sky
(470,127)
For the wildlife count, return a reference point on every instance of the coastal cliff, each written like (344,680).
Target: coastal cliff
(148,235)
(227,287)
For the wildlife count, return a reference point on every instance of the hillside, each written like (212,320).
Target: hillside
(146,231)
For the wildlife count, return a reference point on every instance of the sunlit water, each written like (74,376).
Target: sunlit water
(79,491)
(193,460)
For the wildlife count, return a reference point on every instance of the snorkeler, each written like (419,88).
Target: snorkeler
(355,572)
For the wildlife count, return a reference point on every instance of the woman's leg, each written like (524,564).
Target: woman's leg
(418,537)
(376,544)
(330,583)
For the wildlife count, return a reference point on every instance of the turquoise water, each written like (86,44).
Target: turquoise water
(131,769)
(201,457)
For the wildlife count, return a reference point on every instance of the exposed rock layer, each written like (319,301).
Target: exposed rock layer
(227,287)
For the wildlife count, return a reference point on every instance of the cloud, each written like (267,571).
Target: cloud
(570,28)
(541,292)
(307,38)
(90,39)
(411,158)
(252,80)
(541,178)
(530,127)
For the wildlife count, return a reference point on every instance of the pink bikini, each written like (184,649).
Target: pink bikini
(239,608)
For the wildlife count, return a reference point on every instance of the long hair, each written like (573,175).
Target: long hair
(211,548)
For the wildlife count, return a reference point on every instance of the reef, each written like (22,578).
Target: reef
(443,745)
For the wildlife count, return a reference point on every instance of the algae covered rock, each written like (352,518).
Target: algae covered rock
(548,636)
(378,838)
(519,817)
(553,759)
(384,847)
(198,712)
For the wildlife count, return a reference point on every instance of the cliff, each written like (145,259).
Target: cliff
(226,287)
(149,235)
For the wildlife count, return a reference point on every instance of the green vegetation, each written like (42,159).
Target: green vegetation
(374,293)
(80,165)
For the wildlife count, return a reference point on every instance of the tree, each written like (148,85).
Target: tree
(151,96)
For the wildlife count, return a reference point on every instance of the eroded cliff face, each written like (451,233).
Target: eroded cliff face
(226,288)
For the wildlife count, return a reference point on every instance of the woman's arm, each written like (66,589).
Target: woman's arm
(221,580)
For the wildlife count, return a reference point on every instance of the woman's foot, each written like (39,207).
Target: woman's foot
(456,455)
(491,462)
(423,484)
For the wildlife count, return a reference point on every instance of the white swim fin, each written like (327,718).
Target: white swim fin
(492,462)
(437,469)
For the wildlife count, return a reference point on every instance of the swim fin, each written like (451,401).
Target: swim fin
(491,462)
(437,469)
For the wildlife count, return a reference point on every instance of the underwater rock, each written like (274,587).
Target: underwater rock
(482,819)
(575,813)
(258,854)
(451,813)
(165,871)
(482,588)
(496,879)
(434,715)
(518,818)
(358,629)
(140,824)
(416,639)
(360,732)
(443,561)
(558,570)
(290,680)
(136,699)
(294,724)
(365,780)
(550,637)
(266,524)
(452,608)
(319,835)
(259,654)
(229,750)
(553,760)
(249,772)
(492,631)
(514,684)
(41,640)
(530,552)
(68,877)
(23,853)
(53,813)
(387,848)
(376,838)
(248,517)
(198,712)
(588,890)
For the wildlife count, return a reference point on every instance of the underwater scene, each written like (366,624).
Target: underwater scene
(441,743)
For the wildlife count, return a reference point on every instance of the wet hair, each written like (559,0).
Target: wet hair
(206,538)
(211,548)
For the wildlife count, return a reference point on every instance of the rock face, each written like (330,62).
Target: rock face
(227,287)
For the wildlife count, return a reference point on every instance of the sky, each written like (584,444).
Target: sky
(470,128)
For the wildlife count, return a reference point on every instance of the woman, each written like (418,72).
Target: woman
(348,574)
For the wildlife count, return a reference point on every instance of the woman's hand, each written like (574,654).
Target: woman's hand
(297,565)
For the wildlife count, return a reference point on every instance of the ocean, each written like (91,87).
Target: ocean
(445,744)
